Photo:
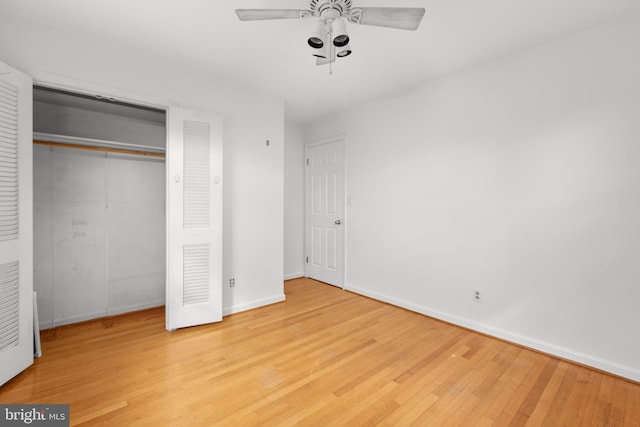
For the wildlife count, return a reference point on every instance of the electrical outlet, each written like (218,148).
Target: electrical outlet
(232,283)
(477,296)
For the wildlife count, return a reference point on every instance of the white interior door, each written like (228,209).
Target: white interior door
(324,195)
(194,218)
(16,222)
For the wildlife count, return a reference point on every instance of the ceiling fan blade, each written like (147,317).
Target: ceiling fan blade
(404,18)
(262,14)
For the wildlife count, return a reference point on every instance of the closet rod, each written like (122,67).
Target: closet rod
(93,148)
(96,145)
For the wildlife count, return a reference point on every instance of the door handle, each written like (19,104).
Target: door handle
(337,222)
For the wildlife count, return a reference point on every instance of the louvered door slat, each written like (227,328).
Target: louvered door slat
(9,209)
(196,174)
(9,304)
(195,274)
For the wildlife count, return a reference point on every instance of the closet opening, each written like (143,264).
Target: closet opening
(99,206)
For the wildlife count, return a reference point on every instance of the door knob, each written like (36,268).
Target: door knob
(337,222)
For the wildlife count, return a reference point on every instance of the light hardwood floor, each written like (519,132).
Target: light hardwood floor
(323,357)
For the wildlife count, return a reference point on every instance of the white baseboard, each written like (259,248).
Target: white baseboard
(237,308)
(111,312)
(551,349)
(293,276)
(121,310)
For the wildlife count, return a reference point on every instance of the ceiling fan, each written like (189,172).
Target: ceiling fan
(329,38)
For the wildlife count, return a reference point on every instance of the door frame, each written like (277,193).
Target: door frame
(341,137)
(68,84)
(54,81)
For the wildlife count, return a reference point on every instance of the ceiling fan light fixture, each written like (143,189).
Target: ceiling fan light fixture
(316,38)
(339,31)
(343,51)
(315,42)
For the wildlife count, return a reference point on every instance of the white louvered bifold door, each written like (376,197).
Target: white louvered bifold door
(194,218)
(16,222)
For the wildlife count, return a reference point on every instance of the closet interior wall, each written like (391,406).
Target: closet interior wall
(99,216)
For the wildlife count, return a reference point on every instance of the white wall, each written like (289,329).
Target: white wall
(518,177)
(99,241)
(253,172)
(293,200)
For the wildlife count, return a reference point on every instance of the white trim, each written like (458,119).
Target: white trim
(102,314)
(37,344)
(55,81)
(551,349)
(345,213)
(294,276)
(322,141)
(253,304)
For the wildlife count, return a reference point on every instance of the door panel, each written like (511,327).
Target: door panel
(325,211)
(316,246)
(332,193)
(16,222)
(194,219)
(332,244)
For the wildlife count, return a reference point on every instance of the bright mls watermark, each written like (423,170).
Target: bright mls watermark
(34,415)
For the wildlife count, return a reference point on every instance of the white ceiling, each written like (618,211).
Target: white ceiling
(272,56)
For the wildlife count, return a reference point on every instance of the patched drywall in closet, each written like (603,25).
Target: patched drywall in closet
(99,215)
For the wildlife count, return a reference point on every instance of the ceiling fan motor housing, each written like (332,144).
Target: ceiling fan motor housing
(330,8)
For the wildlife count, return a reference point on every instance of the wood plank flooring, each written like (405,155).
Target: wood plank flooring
(325,357)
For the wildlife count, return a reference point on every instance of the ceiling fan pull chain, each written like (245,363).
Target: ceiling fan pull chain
(330,51)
